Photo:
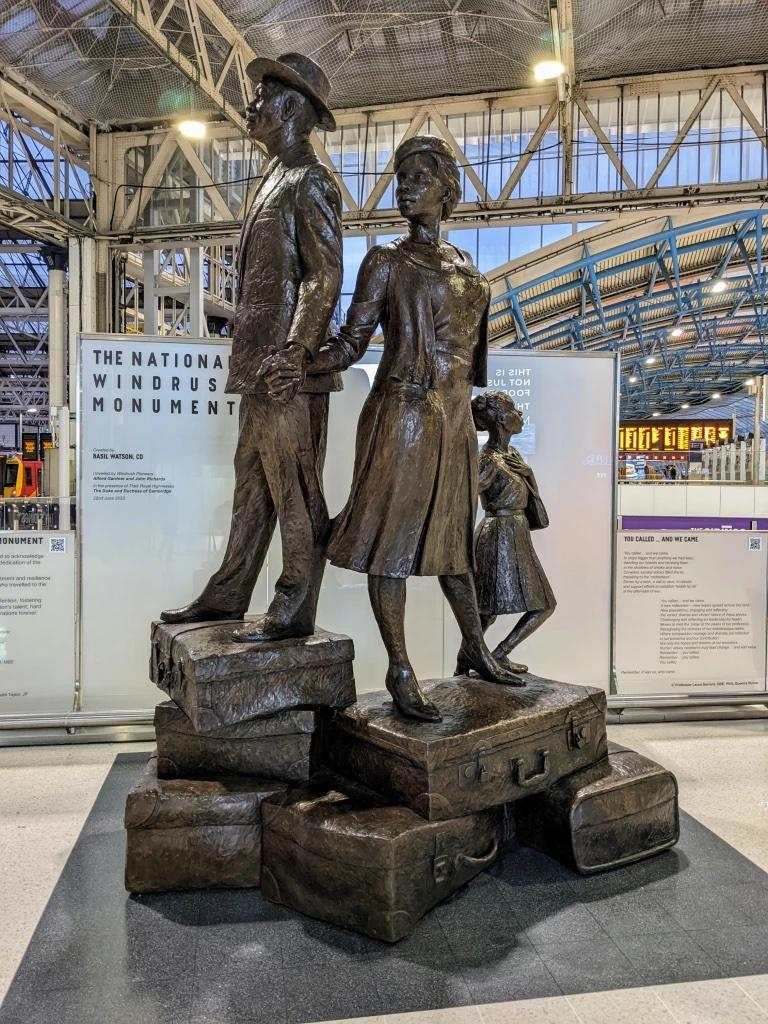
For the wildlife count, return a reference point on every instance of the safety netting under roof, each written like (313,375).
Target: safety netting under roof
(89,55)
(382,52)
(614,38)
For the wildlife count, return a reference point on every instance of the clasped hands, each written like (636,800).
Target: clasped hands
(283,372)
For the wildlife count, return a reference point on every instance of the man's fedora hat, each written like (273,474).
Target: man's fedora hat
(302,74)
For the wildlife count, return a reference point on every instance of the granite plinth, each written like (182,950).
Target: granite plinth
(339,853)
(194,834)
(219,682)
(615,812)
(495,744)
(278,747)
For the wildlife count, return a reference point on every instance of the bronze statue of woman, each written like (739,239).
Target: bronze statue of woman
(411,508)
(508,575)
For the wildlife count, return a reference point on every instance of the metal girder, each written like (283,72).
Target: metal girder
(178,289)
(520,190)
(682,334)
(561,20)
(45,191)
(32,218)
(23,330)
(197,64)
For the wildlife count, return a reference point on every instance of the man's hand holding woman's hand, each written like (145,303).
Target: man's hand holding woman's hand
(283,372)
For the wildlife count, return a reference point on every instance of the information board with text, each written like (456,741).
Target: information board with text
(691,612)
(158,436)
(37,622)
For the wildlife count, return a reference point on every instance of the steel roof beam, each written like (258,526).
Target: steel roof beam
(198,71)
(725,332)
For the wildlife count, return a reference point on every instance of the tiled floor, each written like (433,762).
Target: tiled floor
(621,947)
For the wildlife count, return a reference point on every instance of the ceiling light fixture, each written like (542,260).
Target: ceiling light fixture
(716,394)
(650,360)
(31,411)
(749,383)
(677,332)
(719,285)
(633,380)
(192,129)
(685,406)
(546,70)
(655,414)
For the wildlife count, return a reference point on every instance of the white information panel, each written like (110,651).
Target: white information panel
(569,404)
(690,612)
(158,437)
(37,622)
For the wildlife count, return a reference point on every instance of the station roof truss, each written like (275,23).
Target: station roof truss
(23,331)
(45,181)
(697,139)
(684,303)
(124,61)
(91,90)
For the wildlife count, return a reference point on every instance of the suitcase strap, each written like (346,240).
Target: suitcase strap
(447,861)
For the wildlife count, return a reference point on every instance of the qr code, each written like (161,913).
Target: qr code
(57,545)
(755,543)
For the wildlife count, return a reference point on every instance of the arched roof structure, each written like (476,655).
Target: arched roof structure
(682,300)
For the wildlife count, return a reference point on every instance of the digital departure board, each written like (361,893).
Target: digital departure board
(671,435)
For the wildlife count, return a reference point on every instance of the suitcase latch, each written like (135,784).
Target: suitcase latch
(577,735)
(474,772)
(442,867)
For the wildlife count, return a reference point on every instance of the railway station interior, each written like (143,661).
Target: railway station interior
(309,304)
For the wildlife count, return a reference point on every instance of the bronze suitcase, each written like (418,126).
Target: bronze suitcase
(218,682)
(616,812)
(495,743)
(278,747)
(194,834)
(342,855)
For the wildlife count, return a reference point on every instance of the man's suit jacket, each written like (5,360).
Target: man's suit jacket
(289,266)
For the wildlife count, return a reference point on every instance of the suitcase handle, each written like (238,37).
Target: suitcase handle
(464,859)
(518,770)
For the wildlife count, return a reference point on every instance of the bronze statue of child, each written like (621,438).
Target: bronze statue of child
(509,577)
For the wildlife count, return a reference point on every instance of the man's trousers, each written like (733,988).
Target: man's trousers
(278,477)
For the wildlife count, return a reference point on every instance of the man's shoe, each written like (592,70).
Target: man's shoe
(264,630)
(197,611)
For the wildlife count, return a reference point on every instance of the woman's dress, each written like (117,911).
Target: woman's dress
(508,574)
(411,507)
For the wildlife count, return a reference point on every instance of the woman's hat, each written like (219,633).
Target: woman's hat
(300,73)
(423,144)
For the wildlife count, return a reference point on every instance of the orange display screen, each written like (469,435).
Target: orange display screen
(671,435)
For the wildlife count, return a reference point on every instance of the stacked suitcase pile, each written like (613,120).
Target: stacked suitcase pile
(269,773)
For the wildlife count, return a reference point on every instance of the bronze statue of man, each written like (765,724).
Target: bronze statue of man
(289,266)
